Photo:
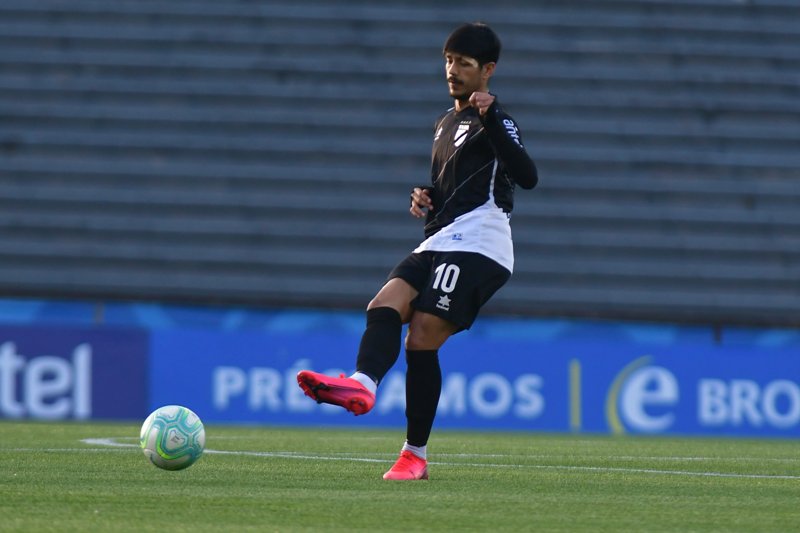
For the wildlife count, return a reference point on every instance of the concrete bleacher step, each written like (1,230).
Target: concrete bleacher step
(351,149)
(285,38)
(394,128)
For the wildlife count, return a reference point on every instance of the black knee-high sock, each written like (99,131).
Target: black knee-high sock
(423,387)
(380,343)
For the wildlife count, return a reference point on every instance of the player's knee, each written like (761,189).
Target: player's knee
(423,342)
(416,340)
(427,334)
(402,308)
(376,302)
(396,294)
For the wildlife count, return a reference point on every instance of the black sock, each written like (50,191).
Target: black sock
(380,343)
(423,387)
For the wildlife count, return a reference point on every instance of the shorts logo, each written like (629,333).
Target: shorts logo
(457,237)
(444,303)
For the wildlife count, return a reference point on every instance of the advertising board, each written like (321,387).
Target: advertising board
(56,373)
(557,376)
(235,366)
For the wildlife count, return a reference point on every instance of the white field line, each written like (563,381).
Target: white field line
(112,443)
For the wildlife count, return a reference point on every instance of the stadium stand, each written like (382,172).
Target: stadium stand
(247,153)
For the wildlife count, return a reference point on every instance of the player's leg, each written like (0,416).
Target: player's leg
(461,282)
(426,334)
(459,286)
(380,343)
(377,353)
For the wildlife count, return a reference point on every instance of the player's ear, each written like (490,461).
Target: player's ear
(487,70)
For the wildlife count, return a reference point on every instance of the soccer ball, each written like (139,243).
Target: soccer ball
(172,437)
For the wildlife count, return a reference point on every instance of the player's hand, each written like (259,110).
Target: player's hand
(420,199)
(481,101)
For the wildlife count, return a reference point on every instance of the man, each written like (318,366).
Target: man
(467,254)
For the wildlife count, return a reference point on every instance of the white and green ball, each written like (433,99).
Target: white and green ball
(172,437)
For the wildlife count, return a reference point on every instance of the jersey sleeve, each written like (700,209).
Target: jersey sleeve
(504,136)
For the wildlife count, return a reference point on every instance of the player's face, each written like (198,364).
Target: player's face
(464,75)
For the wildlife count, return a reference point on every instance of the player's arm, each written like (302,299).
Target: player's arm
(506,141)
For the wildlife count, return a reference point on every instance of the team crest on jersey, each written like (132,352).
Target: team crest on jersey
(461,133)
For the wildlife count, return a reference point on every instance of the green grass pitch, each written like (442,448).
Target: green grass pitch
(53,477)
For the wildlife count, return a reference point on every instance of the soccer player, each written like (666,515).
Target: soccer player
(467,255)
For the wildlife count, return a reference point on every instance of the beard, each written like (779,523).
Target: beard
(462,97)
(459,91)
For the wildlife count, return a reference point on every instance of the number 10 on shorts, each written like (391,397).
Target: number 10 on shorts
(446,277)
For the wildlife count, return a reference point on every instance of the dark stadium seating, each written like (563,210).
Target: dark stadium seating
(262,153)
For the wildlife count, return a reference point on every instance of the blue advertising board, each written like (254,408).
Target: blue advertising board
(55,373)
(533,375)
(239,366)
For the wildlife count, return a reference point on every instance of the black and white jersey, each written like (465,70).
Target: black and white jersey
(476,163)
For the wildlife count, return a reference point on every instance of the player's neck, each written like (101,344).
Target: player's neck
(461,105)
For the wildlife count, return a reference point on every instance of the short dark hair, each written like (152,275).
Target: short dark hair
(476,40)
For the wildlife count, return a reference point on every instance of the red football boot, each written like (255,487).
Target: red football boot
(408,466)
(346,392)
